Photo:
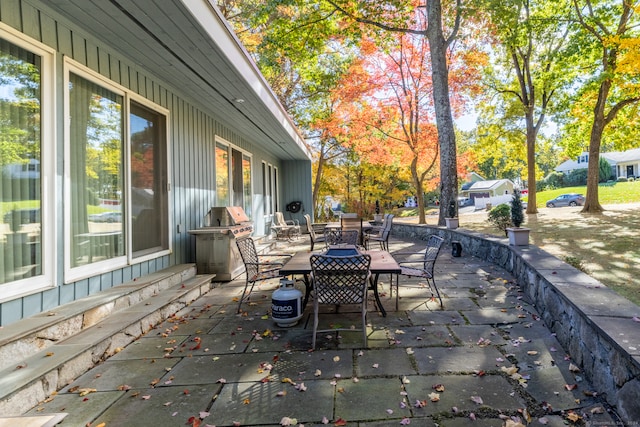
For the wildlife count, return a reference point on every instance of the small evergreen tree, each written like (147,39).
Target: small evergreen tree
(517,215)
(500,217)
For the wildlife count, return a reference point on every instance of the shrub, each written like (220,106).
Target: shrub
(576,177)
(622,179)
(500,217)
(517,216)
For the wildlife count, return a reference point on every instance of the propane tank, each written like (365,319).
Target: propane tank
(286,304)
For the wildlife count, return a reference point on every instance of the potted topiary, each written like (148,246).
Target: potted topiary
(518,236)
(451,219)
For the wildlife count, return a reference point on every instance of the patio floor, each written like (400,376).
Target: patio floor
(486,357)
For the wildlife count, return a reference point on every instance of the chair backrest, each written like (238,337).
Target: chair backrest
(280,220)
(337,236)
(312,233)
(431,254)
(249,254)
(340,280)
(351,223)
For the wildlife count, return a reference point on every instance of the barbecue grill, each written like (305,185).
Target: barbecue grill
(216,250)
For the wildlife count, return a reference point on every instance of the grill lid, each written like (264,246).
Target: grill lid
(226,216)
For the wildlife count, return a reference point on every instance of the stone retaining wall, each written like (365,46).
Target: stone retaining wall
(598,328)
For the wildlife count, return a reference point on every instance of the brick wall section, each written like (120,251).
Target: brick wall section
(596,326)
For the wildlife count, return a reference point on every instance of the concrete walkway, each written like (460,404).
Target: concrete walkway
(486,359)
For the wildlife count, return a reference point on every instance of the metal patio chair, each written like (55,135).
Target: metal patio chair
(285,229)
(381,235)
(257,267)
(337,236)
(315,238)
(421,268)
(340,280)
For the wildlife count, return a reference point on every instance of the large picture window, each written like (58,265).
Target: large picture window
(96,143)
(20,159)
(27,128)
(117,178)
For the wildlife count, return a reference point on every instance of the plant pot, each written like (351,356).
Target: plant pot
(452,223)
(378,217)
(518,236)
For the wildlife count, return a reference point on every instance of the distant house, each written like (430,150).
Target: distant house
(624,163)
(472,178)
(492,188)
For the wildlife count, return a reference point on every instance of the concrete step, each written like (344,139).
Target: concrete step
(42,354)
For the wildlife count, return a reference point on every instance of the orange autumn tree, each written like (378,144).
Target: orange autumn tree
(385,109)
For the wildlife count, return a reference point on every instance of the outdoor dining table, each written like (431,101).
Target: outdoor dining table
(382,262)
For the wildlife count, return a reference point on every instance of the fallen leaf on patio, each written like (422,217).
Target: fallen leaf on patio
(571,386)
(597,410)
(573,368)
(532,353)
(49,354)
(438,387)
(325,420)
(477,399)
(410,350)
(286,421)
(405,380)
(509,371)
(389,411)
(167,403)
(301,387)
(420,403)
(355,380)
(336,358)
(434,397)
(375,366)
(246,401)
(573,417)
(124,387)
(512,423)
(281,393)
(146,397)
(340,422)
(85,391)
(472,416)
(101,425)
(636,319)
(405,422)
(340,390)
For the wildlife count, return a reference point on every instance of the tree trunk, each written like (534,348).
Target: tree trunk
(592,203)
(531,164)
(417,183)
(444,119)
(316,186)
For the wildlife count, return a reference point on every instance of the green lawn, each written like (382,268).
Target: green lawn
(608,194)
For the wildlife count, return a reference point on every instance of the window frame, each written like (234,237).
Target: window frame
(73,274)
(48,138)
(133,97)
(221,142)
